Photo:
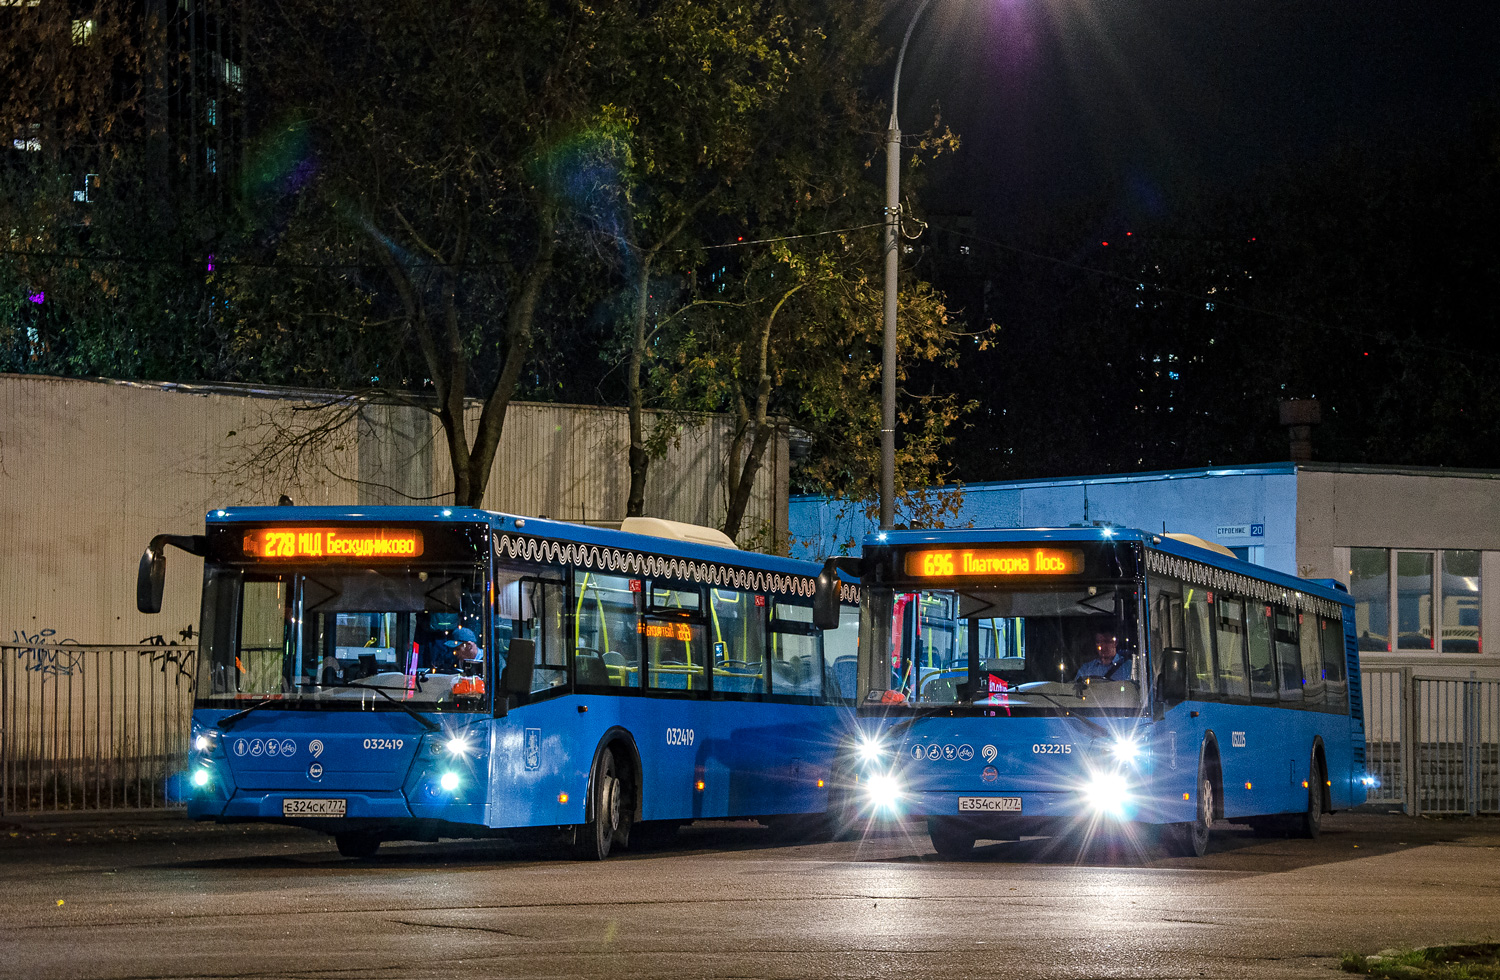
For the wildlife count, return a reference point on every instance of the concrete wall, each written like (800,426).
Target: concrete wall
(89,471)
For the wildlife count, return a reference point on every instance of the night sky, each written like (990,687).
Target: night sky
(1120,107)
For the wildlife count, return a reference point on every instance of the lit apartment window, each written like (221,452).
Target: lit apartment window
(1410,600)
(83,31)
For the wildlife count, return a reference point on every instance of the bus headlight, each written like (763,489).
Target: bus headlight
(883,791)
(1108,793)
(449,781)
(459,746)
(1126,749)
(201,776)
(870,750)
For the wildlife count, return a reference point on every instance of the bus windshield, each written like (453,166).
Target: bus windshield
(343,637)
(1002,646)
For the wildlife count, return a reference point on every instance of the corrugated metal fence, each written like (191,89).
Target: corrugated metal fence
(1433,742)
(92,727)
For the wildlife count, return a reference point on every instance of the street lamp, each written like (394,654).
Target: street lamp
(892,259)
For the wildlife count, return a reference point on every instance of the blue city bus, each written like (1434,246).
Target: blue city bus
(1033,681)
(411,673)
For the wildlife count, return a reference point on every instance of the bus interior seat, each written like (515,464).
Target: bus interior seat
(589,668)
(788,676)
(615,658)
(846,670)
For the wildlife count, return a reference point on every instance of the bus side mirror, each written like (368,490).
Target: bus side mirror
(519,666)
(151,579)
(826,595)
(1174,675)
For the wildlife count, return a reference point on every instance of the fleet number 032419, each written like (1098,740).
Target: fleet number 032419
(1052,748)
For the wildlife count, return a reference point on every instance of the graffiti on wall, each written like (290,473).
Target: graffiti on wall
(38,653)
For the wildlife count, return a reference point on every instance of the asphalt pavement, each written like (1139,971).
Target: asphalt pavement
(156,896)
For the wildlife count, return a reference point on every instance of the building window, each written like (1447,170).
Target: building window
(1416,600)
(1461,602)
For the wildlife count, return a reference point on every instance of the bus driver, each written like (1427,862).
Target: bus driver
(1107,663)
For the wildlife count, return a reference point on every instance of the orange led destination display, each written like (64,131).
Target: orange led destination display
(956,562)
(333,542)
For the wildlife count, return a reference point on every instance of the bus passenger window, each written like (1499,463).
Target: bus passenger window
(1335,670)
(606,632)
(1231,649)
(1197,617)
(796,661)
(675,638)
(1258,617)
(1288,658)
(1312,659)
(737,620)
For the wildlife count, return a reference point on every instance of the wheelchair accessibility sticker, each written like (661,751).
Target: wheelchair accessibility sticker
(533,748)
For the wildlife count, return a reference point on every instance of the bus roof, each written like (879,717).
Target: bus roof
(1324,588)
(535,526)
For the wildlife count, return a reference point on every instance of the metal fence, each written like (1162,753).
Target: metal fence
(1433,743)
(93,727)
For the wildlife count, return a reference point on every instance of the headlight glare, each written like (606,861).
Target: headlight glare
(458,745)
(1108,793)
(883,791)
(871,750)
(1126,748)
(449,781)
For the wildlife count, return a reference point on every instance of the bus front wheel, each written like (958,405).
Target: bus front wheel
(1309,823)
(608,817)
(357,844)
(951,838)
(1191,839)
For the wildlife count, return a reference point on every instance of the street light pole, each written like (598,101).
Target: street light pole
(892,264)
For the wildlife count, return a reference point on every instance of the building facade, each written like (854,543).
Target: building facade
(1418,548)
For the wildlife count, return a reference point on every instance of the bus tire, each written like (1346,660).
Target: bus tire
(357,844)
(1309,823)
(608,816)
(1192,839)
(952,839)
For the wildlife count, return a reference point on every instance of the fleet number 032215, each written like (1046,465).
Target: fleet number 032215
(1052,748)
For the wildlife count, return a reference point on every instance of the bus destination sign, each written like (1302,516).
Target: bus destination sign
(959,562)
(373,543)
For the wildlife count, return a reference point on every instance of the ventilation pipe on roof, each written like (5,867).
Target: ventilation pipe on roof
(1299,415)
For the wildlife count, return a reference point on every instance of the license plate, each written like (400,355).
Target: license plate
(313,808)
(989,804)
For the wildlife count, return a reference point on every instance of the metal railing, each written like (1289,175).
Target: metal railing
(1433,743)
(86,727)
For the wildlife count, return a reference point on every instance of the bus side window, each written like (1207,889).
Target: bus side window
(552,653)
(676,637)
(1197,618)
(796,656)
(841,657)
(1288,658)
(1335,670)
(1231,647)
(738,622)
(1312,659)
(606,632)
(1259,622)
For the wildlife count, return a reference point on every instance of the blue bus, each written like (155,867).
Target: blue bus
(409,673)
(1038,680)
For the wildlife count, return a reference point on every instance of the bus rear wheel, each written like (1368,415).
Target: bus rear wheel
(952,839)
(357,844)
(609,817)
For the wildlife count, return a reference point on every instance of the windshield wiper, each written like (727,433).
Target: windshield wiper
(227,722)
(427,723)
